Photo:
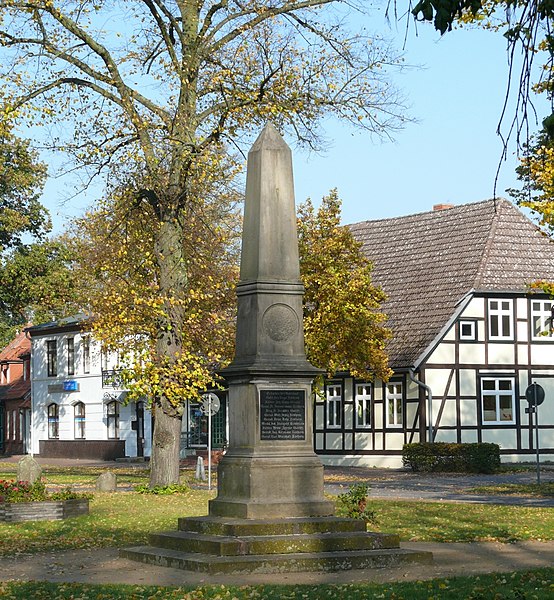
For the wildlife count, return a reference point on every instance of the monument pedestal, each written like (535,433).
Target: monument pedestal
(270,514)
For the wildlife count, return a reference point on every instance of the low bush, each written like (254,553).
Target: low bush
(23,491)
(353,504)
(461,458)
(162,490)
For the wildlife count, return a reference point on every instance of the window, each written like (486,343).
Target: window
(79,419)
(52,358)
(113,420)
(363,405)
(542,318)
(497,395)
(5,374)
(394,404)
(468,331)
(334,405)
(500,319)
(86,354)
(53,422)
(71,356)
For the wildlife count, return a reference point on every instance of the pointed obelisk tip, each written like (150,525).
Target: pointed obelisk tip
(269,138)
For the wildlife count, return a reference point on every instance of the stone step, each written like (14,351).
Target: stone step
(276,563)
(247,527)
(185,541)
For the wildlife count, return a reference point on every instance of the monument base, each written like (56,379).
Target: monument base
(233,546)
(261,487)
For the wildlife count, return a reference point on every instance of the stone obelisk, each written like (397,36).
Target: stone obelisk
(270,469)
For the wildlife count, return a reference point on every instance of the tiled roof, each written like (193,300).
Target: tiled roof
(428,262)
(16,349)
(18,389)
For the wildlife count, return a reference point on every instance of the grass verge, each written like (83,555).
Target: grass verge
(536,584)
(544,490)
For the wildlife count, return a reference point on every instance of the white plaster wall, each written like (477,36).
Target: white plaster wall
(348,416)
(319,415)
(348,440)
(468,382)
(437,380)
(363,442)
(448,417)
(522,355)
(363,460)
(505,438)
(319,440)
(443,354)
(378,411)
(542,354)
(448,435)
(450,334)
(501,354)
(521,307)
(522,331)
(333,441)
(471,354)
(469,436)
(475,309)
(394,441)
(468,413)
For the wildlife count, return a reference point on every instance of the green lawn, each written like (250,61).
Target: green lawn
(536,585)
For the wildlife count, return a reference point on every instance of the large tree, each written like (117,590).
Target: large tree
(344,327)
(22,177)
(166,88)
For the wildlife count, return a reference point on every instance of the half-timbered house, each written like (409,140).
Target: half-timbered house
(470,336)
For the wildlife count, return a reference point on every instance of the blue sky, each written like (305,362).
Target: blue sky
(450,155)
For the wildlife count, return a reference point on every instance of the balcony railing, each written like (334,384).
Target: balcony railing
(111,378)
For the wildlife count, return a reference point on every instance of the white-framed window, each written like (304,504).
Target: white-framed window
(468,331)
(113,420)
(497,400)
(363,405)
(70,355)
(542,319)
(334,405)
(52,358)
(86,353)
(394,404)
(53,421)
(501,316)
(79,420)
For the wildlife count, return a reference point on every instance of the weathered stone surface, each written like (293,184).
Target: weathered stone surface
(43,511)
(106,482)
(28,469)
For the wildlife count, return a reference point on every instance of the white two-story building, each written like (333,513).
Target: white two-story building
(79,409)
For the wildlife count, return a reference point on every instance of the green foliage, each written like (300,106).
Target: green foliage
(442,456)
(343,325)
(23,491)
(163,490)
(21,179)
(353,504)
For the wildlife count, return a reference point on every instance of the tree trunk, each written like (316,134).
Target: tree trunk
(164,462)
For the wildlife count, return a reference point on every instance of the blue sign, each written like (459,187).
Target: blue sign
(70,386)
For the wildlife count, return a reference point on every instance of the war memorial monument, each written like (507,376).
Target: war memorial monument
(270,514)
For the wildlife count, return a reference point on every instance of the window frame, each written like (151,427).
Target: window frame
(85,340)
(397,399)
(472,337)
(499,314)
(497,393)
(545,315)
(53,411)
(70,348)
(112,420)
(79,421)
(52,358)
(333,406)
(363,404)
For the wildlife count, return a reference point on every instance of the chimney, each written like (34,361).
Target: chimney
(442,206)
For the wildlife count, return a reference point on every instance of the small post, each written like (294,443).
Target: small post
(537,434)
(200,472)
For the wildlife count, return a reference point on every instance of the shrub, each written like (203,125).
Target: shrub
(442,456)
(162,490)
(353,504)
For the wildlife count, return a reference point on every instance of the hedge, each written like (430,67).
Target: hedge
(461,458)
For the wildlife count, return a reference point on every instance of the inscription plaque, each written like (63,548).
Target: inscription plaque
(282,414)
